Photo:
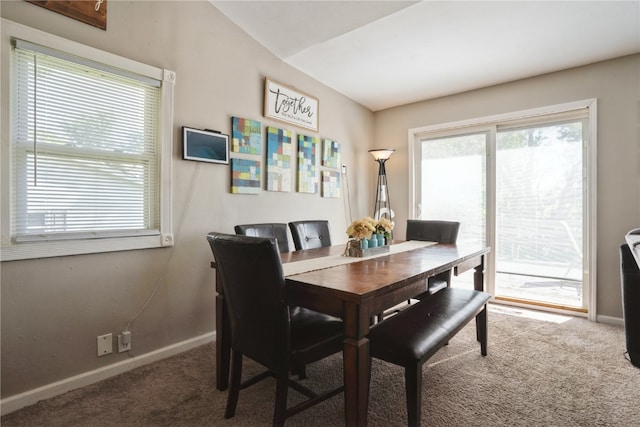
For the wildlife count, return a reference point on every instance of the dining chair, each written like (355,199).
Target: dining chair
(264,328)
(630,282)
(310,234)
(434,231)
(429,231)
(277,230)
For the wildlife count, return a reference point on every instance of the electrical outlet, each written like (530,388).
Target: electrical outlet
(124,341)
(105,344)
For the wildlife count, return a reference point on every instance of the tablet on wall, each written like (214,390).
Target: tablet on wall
(205,145)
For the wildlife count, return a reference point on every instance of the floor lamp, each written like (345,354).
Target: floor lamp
(382,206)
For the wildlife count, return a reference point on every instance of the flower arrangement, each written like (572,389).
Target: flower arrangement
(365,227)
(362,232)
(384,226)
(362,228)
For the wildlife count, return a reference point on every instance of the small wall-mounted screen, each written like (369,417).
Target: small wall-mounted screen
(205,146)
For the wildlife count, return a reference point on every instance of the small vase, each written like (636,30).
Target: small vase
(373,241)
(364,244)
(380,237)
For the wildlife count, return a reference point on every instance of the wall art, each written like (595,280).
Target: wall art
(330,153)
(246,136)
(287,104)
(330,183)
(279,149)
(92,12)
(307,169)
(245,176)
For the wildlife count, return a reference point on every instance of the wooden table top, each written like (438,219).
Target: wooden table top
(368,277)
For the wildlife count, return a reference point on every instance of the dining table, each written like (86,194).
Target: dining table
(357,289)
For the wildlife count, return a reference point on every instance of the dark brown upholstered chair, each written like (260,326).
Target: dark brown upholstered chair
(310,234)
(411,337)
(434,231)
(630,281)
(279,231)
(263,327)
(430,231)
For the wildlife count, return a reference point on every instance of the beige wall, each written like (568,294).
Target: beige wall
(615,84)
(53,309)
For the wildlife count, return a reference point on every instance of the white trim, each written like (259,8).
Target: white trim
(504,117)
(10,251)
(591,203)
(18,401)
(608,320)
(78,49)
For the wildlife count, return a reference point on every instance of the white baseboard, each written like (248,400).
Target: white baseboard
(18,401)
(616,321)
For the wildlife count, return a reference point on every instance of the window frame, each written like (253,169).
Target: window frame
(10,250)
(514,119)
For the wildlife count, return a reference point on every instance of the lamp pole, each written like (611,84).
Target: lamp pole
(382,206)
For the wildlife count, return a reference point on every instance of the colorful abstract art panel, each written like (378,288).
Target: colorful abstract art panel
(245,176)
(246,136)
(330,184)
(330,153)
(307,169)
(279,149)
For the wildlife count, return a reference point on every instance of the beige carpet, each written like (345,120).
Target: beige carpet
(537,373)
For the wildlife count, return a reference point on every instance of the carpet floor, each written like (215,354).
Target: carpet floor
(541,370)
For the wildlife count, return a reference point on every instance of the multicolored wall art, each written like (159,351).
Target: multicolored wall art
(245,176)
(279,149)
(307,169)
(246,136)
(330,153)
(330,184)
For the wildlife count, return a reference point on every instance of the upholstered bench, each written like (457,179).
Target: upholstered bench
(411,337)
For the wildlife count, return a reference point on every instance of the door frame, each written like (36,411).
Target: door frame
(489,124)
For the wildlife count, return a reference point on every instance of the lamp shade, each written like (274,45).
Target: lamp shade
(381,153)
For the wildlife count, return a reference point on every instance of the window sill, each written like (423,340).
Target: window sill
(33,250)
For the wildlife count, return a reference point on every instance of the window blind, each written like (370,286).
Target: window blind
(85,150)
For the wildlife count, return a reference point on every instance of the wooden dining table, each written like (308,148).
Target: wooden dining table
(356,292)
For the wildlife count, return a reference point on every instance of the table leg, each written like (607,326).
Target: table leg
(478,285)
(357,365)
(223,341)
(357,371)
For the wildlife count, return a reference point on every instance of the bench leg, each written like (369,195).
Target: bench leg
(413,390)
(481,330)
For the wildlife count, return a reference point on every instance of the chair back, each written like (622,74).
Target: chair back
(630,281)
(433,231)
(254,291)
(279,231)
(310,234)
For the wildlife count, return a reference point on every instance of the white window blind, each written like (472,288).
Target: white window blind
(86,149)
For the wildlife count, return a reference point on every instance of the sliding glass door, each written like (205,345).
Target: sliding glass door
(453,182)
(539,213)
(520,186)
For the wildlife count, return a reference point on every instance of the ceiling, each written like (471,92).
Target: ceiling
(383,54)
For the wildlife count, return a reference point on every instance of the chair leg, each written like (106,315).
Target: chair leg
(301,372)
(282,388)
(413,390)
(234,387)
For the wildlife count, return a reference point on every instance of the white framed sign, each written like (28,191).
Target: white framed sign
(289,105)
